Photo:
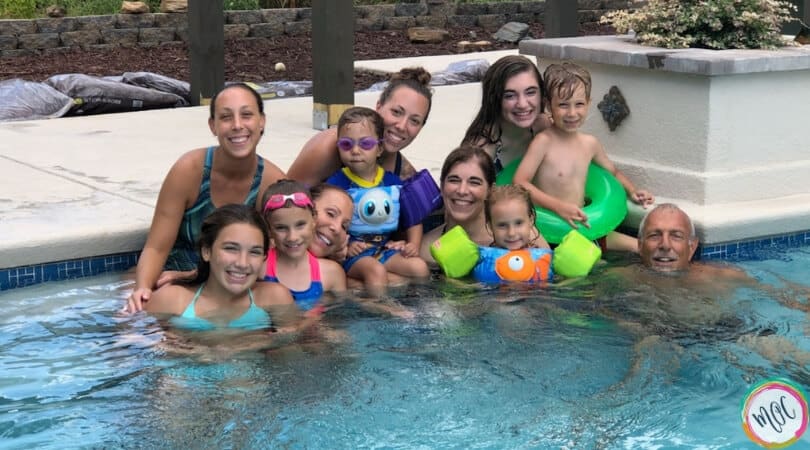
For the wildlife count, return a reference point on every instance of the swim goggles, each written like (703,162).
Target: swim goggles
(298,199)
(366,143)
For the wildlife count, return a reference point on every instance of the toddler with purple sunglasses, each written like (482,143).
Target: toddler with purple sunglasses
(371,253)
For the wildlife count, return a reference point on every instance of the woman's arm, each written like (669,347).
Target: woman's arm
(175,196)
(332,276)
(317,160)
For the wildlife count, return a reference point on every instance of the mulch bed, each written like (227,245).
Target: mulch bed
(249,59)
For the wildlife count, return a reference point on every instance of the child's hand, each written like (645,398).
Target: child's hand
(340,255)
(572,213)
(355,248)
(642,197)
(395,245)
(409,250)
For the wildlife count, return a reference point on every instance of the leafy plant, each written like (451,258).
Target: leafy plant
(713,24)
(18,9)
(94,7)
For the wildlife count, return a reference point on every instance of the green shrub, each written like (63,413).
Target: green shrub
(713,24)
(97,7)
(18,9)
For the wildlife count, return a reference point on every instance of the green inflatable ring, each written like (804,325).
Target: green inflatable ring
(606,211)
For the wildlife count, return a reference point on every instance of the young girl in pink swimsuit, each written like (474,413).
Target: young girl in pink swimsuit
(290,215)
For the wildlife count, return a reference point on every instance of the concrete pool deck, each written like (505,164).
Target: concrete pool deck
(75,188)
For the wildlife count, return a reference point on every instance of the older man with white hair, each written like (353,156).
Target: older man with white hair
(666,239)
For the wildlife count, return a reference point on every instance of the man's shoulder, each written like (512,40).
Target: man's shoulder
(718,271)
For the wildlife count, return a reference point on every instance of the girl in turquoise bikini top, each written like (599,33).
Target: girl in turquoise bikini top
(254,318)
(224,294)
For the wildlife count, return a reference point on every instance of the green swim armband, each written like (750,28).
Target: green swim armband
(455,253)
(575,256)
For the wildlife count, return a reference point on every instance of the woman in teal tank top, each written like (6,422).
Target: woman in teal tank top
(201,180)
(224,293)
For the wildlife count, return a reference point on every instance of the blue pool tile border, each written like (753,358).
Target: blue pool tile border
(752,249)
(17,277)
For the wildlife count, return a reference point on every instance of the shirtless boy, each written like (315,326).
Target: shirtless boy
(555,165)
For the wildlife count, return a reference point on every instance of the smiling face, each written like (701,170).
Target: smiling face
(569,114)
(464,190)
(521,100)
(512,227)
(292,229)
(665,243)
(237,122)
(236,258)
(332,224)
(361,161)
(404,116)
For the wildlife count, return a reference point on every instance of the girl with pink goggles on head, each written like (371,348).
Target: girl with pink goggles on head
(290,215)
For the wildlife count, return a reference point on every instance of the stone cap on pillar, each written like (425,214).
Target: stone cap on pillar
(623,50)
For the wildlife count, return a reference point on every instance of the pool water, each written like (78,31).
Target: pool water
(598,363)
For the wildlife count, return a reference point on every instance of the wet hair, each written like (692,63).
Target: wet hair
(285,187)
(213,225)
(259,102)
(562,79)
(416,78)
(466,153)
(487,122)
(511,192)
(672,207)
(319,189)
(508,192)
(358,114)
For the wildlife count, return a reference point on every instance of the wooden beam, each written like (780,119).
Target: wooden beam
(206,35)
(332,60)
(561,19)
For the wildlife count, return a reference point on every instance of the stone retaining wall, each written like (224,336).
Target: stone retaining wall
(23,37)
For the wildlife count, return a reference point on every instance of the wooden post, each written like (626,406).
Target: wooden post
(561,18)
(206,35)
(804,12)
(332,61)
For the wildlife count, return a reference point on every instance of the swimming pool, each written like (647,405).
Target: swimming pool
(599,363)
